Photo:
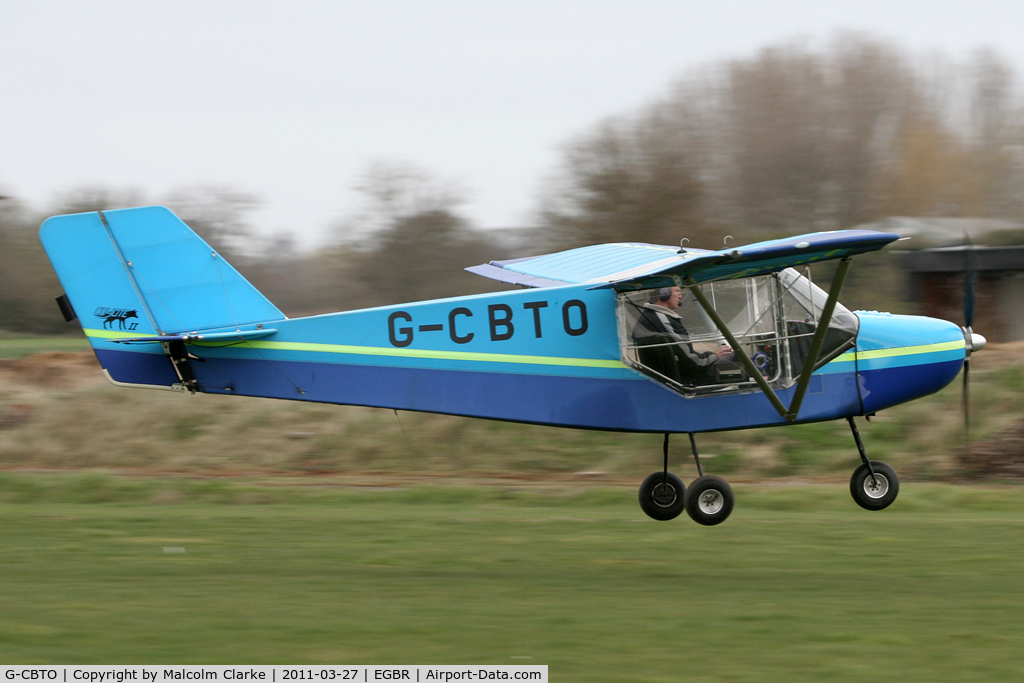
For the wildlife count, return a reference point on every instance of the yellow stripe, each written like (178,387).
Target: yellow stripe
(437,355)
(902,351)
(110,334)
(911,350)
(515,358)
(401,353)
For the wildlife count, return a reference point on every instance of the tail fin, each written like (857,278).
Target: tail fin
(137,272)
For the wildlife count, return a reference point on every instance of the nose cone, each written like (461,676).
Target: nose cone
(903,357)
(976,342)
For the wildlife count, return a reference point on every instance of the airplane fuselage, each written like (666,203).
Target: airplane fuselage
(545,356)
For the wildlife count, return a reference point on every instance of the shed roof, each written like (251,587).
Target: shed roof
(954,259)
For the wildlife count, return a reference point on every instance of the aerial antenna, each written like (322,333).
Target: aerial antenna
(681,249)
(725,241)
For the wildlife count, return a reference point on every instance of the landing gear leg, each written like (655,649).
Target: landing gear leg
(663,494)
(874,485)
(696,458)
(709,500)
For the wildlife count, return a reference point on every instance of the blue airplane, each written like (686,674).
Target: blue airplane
(624,337)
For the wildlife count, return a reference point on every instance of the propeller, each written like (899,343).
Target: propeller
(974,342)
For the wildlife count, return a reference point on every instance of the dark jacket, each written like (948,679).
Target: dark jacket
(659,325)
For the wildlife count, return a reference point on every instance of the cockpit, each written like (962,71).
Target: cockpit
(669,336)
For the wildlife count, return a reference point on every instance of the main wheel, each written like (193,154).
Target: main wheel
(662,496)
(874,494)
(709,500)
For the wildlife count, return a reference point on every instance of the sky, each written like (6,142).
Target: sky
(293,101)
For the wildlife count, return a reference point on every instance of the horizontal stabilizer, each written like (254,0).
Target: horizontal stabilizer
(237,335)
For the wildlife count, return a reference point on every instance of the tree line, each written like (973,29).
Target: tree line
(792,139)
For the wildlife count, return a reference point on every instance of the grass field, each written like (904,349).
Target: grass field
(247,531)
(19,346)
(799,585)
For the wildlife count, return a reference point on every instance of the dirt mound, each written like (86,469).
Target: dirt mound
(51,370)
(1001,456)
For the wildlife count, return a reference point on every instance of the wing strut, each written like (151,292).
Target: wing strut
(812,355)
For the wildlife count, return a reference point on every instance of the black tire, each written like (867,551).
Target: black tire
(878,494)
(662,496)
(709,500)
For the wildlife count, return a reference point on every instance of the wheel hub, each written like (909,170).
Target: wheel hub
(876,488)
(664,495)
(711,502)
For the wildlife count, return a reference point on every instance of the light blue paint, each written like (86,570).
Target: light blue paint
(163,268)
(888,331)
(595,262)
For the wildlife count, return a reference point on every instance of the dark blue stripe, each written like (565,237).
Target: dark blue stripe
(134,367)
(586,402)
(887,387)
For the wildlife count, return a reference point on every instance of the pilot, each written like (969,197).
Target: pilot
(660,324)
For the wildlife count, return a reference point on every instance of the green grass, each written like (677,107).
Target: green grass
(19,346)
(799,585)
(282,564)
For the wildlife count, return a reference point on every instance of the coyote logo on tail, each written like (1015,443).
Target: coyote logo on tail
(121,315)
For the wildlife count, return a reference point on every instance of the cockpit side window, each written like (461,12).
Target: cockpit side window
(666,334)
(802,304)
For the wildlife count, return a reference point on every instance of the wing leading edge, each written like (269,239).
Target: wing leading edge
(639,266)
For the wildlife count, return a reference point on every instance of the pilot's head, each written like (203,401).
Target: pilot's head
(669,297)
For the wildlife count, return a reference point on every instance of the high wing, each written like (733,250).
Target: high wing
(640,266)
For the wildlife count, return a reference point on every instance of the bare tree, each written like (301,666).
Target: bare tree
(409,242)
(95,198)
(28,284)
(811,130)
(220,215)
(997,135)
(796,139)
(631,180)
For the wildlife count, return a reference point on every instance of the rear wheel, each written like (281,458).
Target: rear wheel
(662,496)
(709,500)
(875,493)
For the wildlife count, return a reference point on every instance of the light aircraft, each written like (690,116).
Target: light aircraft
(164,310)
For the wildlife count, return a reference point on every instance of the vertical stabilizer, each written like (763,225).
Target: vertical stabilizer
(142,272)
